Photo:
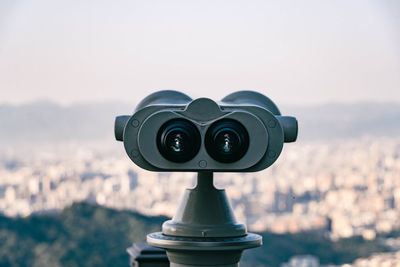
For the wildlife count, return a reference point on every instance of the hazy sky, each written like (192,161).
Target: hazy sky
(293,51)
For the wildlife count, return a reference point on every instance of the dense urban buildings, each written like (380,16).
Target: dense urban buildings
(341,188)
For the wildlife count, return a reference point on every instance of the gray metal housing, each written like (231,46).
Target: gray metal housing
(267,130)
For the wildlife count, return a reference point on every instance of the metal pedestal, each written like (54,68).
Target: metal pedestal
(204,231)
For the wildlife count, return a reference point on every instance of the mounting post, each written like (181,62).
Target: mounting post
(204,231)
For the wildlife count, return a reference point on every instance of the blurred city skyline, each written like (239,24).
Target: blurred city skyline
(295,53)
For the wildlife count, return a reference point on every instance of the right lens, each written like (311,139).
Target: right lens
(227,141)
(178,140)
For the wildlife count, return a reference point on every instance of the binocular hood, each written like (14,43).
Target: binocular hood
(169,131)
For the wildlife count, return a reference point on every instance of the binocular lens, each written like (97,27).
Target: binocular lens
(227,141)
(178,140)
(175,141)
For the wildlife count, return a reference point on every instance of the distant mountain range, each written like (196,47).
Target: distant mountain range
(49,122)
(331,121)
(90,235)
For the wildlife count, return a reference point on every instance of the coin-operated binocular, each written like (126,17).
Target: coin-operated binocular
(169,131)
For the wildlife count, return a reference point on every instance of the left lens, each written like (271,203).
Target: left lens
(227,141)
(178,140)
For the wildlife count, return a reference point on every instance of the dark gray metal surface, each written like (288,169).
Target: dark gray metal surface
(267,129)
(143,255)
(204,231)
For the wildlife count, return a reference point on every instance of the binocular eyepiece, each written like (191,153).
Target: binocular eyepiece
(225,141)
(178,140)
(171,132)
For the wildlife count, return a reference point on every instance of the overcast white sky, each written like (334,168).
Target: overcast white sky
(296,52)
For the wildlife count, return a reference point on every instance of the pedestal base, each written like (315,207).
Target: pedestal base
(190,252)
(204,231)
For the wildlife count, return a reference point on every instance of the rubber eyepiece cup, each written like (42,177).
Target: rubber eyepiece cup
(185,133)
(227,141)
